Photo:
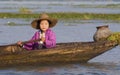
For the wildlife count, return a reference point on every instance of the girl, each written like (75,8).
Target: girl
(45,34)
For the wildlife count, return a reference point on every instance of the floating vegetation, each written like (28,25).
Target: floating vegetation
(113,5)
(25,10)
(62,15)
(98,6)
(15,24)
(115,37)
(11,23)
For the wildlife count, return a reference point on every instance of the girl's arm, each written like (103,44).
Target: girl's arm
(31,45)
(50,40)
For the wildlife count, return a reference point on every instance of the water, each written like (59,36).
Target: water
(92,6)
(66,31)
(74,69)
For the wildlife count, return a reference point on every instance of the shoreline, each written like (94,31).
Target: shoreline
(65,15)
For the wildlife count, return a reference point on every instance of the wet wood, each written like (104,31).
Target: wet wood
(72,52)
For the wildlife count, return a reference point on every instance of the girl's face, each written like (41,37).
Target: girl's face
(44,25)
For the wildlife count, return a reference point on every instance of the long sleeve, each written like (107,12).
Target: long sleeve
(50,39)
(32,45)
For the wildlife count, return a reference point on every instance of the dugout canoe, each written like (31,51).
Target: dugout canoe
(72,52)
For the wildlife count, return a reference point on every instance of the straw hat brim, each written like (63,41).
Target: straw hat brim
(52,22)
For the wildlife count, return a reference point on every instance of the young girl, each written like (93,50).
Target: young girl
(45,34)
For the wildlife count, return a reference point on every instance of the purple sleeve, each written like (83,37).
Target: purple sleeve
(31,45)
(50,39)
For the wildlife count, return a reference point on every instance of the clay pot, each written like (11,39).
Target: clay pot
(102,33)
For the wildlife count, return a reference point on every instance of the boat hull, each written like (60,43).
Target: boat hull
(73,52)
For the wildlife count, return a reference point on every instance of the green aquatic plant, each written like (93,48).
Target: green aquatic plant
(98,6)
(115,37)
(11,23)
(65,15)
(25,10)
(113,5)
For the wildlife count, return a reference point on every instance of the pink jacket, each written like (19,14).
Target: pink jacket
(50,40)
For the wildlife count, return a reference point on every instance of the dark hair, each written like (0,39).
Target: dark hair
(39,21)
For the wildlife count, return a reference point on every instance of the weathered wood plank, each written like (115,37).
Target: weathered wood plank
(73,52)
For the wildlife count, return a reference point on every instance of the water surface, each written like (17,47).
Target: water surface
(12,30)
(61,6)
(66,31)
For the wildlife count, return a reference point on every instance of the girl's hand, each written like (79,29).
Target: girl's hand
(20,43)
(43,39)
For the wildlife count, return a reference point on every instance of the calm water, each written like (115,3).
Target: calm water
(66,31)
(38,6)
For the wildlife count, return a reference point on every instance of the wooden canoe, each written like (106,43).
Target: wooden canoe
(72,52)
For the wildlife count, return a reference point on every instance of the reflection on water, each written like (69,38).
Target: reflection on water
(66,69)
(66,31)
